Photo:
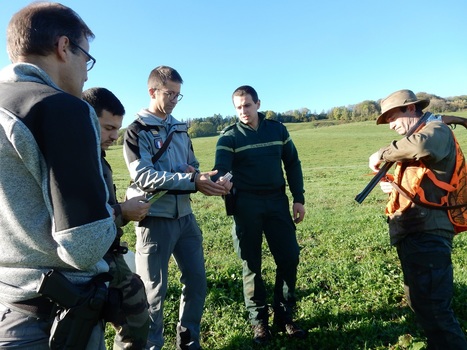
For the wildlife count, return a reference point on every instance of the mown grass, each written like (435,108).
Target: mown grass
(349,281)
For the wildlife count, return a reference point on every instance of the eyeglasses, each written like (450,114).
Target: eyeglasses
(91,61)
(171,95)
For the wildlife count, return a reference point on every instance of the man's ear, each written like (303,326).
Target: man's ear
(63,48)
(258,103)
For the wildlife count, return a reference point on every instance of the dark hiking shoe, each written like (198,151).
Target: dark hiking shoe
(262,335)
(290,328)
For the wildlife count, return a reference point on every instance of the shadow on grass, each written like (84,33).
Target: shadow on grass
(375,329)
(326,332)
(378,328)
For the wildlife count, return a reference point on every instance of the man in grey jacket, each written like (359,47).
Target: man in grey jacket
(53,199)
(159,156)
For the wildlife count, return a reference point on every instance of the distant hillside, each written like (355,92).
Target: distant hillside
(366,110)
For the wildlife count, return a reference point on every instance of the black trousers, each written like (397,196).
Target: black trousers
(428,279)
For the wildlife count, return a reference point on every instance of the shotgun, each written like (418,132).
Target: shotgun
(385,168)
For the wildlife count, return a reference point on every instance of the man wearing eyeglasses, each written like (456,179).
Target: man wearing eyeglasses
(54,212)
(160,157)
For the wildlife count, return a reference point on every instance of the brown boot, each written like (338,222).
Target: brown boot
(262,334)
(289,327)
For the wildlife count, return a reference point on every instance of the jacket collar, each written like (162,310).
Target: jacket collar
(261,117)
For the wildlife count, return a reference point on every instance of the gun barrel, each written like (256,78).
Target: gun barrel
(374,181)
(384,169)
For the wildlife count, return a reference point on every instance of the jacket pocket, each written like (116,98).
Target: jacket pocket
(411,220)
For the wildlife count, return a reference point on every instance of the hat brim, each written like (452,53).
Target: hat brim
(382,117)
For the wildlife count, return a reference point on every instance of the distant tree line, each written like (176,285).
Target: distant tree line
(369,110)
(208,126)
(363,111)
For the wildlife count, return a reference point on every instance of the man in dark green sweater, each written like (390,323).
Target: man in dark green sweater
(254,150)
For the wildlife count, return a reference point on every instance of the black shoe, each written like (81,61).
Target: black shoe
(262,335)
(290,328)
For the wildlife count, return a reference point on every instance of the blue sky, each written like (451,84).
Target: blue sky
(295,53)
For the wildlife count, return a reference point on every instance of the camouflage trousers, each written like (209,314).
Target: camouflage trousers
(132,321)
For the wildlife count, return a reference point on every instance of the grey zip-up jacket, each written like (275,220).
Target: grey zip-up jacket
(143,139)
(53,199)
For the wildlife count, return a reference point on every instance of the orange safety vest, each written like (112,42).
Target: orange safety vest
(408,177)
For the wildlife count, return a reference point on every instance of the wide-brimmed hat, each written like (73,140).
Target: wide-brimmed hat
(399,99)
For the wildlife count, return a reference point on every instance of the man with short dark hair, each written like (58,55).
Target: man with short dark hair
(54,212)
(132,322)
(419,226)
(160,157)
(255,150)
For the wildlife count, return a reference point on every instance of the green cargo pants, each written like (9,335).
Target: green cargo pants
(254,215)
(132,327)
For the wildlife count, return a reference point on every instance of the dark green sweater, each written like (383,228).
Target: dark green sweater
(256,158)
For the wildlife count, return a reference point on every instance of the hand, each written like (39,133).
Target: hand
(190,169)
(135,209)
(386,186)
(298,211)
(186,168)
(374,162)
(205,185)
(226,183)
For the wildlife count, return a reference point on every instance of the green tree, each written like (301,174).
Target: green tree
(271,115)
(366,110)
(202,129)
(121,133)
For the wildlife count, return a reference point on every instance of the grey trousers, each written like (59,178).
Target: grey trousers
(20,330)
(157,239)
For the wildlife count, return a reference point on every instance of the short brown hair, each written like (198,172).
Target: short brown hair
(35,29)
(160,75)
(246,90)
(103,99)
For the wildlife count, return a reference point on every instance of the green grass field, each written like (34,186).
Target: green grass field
(349,286)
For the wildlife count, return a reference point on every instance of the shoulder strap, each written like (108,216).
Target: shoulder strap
(161,151)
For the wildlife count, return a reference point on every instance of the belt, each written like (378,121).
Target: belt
(264,192)
(36,306)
